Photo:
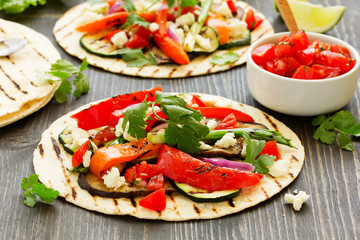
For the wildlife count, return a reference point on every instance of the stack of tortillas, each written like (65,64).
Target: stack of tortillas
(20,92)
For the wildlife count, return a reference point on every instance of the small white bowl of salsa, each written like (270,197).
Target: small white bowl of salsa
(305,74)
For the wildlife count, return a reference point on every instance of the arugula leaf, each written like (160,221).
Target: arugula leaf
(226,58)
(18,6)
(337,126)
(33,187)
(135,118)
(253,149)
(61,71)
(135,57)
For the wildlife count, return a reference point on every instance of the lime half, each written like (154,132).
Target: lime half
(315,18)
(277,9)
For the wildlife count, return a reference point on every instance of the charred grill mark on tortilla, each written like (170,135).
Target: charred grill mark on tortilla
(265,192)
(231,203)
(41,55)
(214,210)
(17,86)
(68,180)
(56,149)
(294,158)
(172,72)
(133,203)
(41,149)
(197,210)
(2,30)
(291,175)
(138,71)
(155,71)
(271,122)
(210,69)
(115,202)
(188,73)
(67,24)
(73,193)
(7,95)
(67,35)
(276,181)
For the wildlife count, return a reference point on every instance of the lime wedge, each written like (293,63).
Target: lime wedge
(277,9)
(315,18)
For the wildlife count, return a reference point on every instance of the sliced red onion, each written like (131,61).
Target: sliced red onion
(171,34)
(219,162)
(116,7)
(159,127)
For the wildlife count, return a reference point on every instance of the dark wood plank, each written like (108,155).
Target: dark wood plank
(330,175)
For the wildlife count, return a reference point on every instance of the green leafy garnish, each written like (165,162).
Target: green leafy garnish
(337,126)
(133,19)
(18,6)
(136,58)
(62,71)
(253,149)
(129,6)
(184,129)
(33,187)
(135,119)
(226,58)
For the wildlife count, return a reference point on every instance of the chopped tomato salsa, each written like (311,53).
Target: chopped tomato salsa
(296,56)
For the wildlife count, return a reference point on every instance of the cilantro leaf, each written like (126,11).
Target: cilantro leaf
(33,187)
(226,58)
(188,3)
(135,118)
(63,90)
(170,3)
(61,71)
(135,57)
(253,149)
(337,126)
(18,6)
(129,6)
(133,19)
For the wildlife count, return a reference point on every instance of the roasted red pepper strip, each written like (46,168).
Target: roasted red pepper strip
(182,167)
(100,114)
(232,7)
(103,23)
(196,100)
(154,201)
(251,20)
(222,112)
(77,158)
(169,46)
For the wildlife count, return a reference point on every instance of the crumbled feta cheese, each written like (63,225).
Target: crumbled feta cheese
(279,168)
(224,10)
(87,17)
(80,136)
(101,8)
(204,146)
(119,39)
(223,103)
(185,19)
(203,42)
(209,99)
(226,141)
(112,178)
(180,34)
(243,151)
(119,131)
(211,124)
(153,27)
(296,200)
(237,28)
(87,158)
(140,5)
(169,23)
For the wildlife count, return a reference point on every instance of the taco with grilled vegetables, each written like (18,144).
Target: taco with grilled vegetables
(168,156)
(161,39)
(21,93)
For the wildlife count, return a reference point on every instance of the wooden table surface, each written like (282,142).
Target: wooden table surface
(330,175)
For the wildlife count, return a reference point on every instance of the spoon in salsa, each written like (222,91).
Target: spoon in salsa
(287,15)
(10,45)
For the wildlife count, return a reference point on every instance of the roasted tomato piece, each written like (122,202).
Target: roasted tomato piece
(283,50)
(77,158)
(305,72)
(261,55)
(229,122)
(105,135)
(154,201)
(271,148)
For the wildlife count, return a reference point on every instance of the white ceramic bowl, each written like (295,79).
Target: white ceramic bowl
(301,97)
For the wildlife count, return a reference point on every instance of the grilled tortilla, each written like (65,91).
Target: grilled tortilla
(20,93)
(68,38)
(51,162)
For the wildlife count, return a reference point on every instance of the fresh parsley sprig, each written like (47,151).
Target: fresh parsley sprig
(253,149)
(341,126)
(33,187)
(61,71)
